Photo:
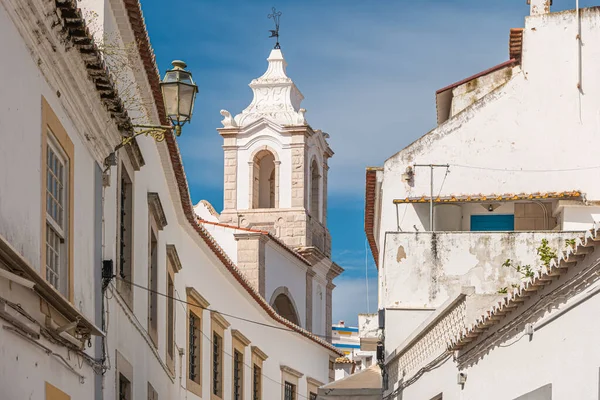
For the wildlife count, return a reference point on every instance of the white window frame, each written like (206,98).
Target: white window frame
(60,228)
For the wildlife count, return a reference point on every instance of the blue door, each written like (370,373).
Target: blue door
(493,222)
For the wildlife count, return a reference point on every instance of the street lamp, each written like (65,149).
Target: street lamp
(179,92)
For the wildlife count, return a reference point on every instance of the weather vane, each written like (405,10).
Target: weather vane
(275,15)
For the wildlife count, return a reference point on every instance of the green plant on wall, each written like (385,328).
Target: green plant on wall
(544,252)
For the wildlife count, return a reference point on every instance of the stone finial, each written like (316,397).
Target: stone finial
(276,97)
(228,121)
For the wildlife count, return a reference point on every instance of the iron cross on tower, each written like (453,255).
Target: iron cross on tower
(275,15)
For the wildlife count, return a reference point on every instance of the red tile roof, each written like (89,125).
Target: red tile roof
(508,63)
(370,196)
(574,194)
(272,237)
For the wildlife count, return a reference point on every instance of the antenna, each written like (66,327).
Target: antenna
(275,15)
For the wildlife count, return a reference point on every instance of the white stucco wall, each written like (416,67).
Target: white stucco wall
(560,352)
(516,128)
(282,270)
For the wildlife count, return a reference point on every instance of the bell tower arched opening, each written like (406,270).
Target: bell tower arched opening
(315,183)
(264,180)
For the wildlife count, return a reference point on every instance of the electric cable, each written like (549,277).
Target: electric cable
(525,170)
(217,311)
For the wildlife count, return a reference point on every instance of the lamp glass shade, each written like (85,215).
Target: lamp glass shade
(179,93)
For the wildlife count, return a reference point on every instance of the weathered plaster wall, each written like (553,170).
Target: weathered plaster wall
(468,93)
(423,269)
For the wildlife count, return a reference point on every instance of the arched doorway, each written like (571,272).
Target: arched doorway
(284,305)
(264,180)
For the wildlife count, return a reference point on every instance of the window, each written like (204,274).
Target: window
(238,375)
(170,322)
(289,377)
(196,304)
(239,349)
(125,236)
(124,376)
(124,388)
(493,222)
(194,348)
(152,394)
(290,391)
(217,365)
(258,357)
(153,284)
(313,386)
(54,393)
(219,325)
(256,382)
(173,266)
(57,203)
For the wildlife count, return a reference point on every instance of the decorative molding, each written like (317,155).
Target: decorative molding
(291,371)
(135,155)
(156,209)
(314,382)
(174,258)
(276,98)
(219,319)
(236,334)
(197,297)
(259,353)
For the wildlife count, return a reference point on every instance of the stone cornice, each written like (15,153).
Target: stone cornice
(259,353)
(219,319)
(314,382)
(291,371)
(156,209)
(174,257)
(237,335)
(197,297)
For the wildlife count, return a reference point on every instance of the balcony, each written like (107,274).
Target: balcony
(423,269)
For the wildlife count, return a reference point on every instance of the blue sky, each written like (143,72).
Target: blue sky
(368,70)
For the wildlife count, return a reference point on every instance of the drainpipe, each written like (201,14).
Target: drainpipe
(578,38)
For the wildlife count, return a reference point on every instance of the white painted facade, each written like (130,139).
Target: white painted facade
(519,142)
(53,88)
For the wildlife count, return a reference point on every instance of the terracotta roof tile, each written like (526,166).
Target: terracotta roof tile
(370,196)
(574,194)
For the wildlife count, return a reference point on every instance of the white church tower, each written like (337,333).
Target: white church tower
(276,165)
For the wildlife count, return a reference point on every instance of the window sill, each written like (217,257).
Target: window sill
(16,262)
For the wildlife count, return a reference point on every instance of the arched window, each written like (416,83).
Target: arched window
(315,178)
(264,180)
(284,307)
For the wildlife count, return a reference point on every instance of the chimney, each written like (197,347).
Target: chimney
(538,7)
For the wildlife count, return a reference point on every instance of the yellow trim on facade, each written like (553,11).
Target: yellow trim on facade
(51,122)
(54,393)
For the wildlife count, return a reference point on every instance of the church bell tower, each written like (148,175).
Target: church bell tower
(276,164)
